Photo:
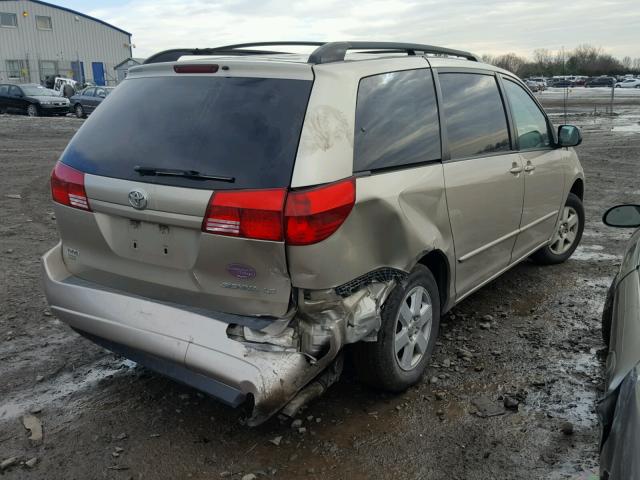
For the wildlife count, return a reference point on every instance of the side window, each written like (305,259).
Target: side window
(14,91)
(88,92)
(4,89)
(8,20)
(474,114)
(531,124)
(396,120)
(43,23)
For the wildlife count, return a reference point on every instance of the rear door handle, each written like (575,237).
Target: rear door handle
(515,169)
(529,167)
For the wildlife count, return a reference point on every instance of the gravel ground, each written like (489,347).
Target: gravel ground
(529,341)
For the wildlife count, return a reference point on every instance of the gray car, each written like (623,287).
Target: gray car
(235,217)
(619,410)
(86,101)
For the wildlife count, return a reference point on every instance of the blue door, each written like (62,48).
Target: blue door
(78,71)
(98,72)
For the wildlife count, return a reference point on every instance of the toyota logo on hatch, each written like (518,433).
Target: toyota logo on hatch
(138,199)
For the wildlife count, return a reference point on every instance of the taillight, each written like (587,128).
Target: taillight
(67,187)
(246,213)
(314,214)
(308,216)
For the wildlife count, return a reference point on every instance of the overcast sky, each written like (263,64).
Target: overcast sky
(481,26)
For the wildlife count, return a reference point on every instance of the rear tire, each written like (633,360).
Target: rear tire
(567,235)
(32,111)
(407,336)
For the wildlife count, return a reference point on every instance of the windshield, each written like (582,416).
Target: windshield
(244,128)
(37,92)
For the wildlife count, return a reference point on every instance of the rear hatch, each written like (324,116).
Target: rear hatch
(185,170)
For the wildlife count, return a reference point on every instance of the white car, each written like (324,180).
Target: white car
(629,83)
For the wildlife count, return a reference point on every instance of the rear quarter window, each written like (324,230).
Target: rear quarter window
(396,121)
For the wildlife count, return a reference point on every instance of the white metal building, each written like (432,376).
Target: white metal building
(38,39)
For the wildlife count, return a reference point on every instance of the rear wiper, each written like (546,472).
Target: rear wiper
(168,172)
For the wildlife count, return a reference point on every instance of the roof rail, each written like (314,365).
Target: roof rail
(324,53)
(336,51)
(237,49)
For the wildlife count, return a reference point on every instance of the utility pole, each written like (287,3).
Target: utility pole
(566,89)
(613,93)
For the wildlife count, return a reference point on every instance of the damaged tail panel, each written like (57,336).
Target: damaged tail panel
(266,365)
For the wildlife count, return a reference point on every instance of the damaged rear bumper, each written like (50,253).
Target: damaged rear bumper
(191,347)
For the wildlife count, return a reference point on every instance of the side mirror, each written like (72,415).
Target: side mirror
(622,216)
(569,136)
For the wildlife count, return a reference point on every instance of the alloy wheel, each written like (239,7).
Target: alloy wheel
(413,328)
(566,233)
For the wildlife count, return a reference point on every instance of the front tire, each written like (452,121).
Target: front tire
(567,235)
(32,111)
(407,336)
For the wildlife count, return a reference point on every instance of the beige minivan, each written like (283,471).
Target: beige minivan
(234,217)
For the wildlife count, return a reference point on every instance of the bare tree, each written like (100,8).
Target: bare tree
(583,60)
(511,62)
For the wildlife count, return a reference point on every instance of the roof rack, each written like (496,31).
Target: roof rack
(336,51)
(326,52)
(239,49)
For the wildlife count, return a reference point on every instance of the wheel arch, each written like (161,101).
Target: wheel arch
(578,188)
(438,263)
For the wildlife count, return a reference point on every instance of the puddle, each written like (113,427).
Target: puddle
(593,252)
(60,387)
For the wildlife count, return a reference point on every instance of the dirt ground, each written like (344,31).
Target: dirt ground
(540,349)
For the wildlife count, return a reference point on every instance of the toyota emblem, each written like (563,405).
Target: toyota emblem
(138,199)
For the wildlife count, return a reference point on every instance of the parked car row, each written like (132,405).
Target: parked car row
(35,100)
(540,83)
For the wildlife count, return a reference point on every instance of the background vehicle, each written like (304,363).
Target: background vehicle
(533,86)
(86,101)
(32,99)
(66,87)
(561,83)
(579,81)
(619,410)
(235,221)
(629,83)
(540,80)
(599,82)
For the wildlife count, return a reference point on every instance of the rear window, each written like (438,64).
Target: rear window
(245,128)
